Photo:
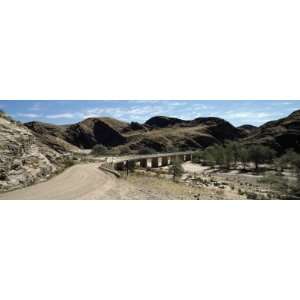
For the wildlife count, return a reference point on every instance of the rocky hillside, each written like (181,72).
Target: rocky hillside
(247,129)
(162,133)
(52,135)
(280,135)
(171,134)
(158,133)
(85,134)
(24,160)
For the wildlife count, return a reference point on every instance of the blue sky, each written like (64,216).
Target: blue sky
(67,112)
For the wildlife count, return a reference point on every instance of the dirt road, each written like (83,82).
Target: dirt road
(87,181)
(82,181)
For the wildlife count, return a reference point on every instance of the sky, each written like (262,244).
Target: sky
(68,112)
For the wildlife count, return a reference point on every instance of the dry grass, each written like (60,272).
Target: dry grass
(161,188)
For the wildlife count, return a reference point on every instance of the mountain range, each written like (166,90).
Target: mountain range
(162,134)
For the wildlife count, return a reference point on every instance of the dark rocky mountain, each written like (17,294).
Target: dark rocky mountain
(247,129)
(162,122)
(85,134)
(280,135)
(159,133)
(167,134)
(93,131)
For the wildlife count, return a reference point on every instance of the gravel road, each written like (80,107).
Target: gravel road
(82,181)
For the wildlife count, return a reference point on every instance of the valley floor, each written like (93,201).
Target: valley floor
(86,181)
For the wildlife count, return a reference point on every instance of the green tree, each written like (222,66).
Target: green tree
(229,156)
(234,149)
(259,154)
(99,150)
(244,157)
(285,161)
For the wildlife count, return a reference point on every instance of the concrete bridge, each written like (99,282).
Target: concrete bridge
(151,161)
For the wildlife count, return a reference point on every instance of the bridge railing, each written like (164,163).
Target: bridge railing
(142,160)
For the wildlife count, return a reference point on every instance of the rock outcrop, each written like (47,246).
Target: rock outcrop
(24,160)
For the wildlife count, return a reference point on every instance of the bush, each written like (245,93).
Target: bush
(68,162)
(241,192)
(172,149)
(124,150)
(197,157)
(251,195)
(176,169)
(99,150)
(276,183)
(146,151)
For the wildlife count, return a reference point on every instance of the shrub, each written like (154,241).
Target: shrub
(147,150)
(172,149)
(99,150)
(124,150)
(176,169)
(113,151)
(251,195)
(68,162)
(276,183)
(197,157)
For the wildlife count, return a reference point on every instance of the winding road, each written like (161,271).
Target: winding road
(86,181)
(82,181)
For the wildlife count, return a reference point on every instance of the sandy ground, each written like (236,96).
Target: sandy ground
(82,181)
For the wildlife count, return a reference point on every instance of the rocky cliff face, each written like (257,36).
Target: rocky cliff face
(23,159)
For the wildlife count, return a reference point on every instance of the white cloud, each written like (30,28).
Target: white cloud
(28,115)
(63,116)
